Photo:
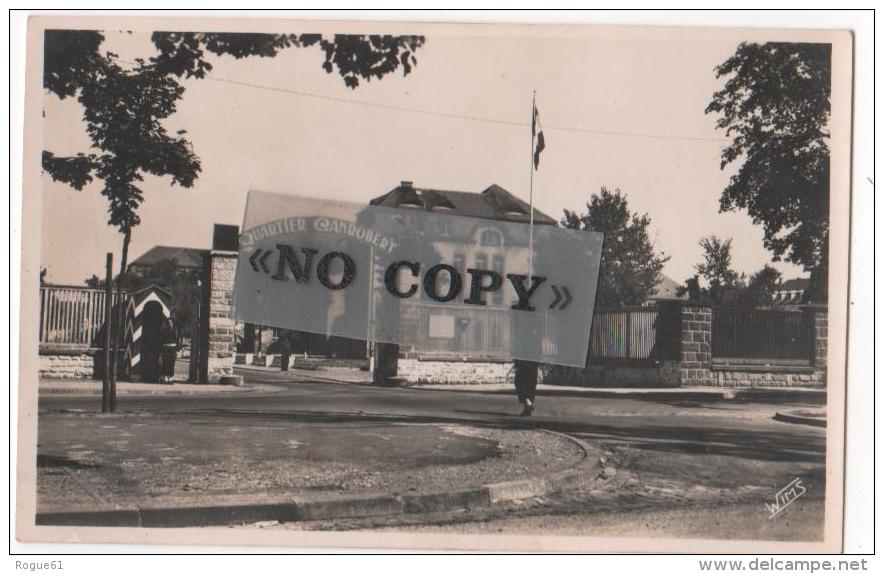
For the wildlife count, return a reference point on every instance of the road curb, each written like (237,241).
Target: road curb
(203,391)
(293,509)
(798,419)
(759,394)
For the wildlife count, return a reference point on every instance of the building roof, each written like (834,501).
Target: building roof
(666,289)
(492,203)
(185,257)
(800,284)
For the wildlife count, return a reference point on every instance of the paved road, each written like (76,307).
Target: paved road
(669,451)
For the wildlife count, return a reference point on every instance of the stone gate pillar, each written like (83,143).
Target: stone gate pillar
(215,339)
(820,349)
(696,345)
(220,332)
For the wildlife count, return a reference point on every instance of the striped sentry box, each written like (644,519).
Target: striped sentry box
(134,318)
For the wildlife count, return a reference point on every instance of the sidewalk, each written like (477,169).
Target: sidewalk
(141,469)
(341,375)
(324,374)
(93,387)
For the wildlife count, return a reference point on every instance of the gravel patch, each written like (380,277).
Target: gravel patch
(84,458)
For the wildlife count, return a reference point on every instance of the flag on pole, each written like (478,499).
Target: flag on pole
(537,136)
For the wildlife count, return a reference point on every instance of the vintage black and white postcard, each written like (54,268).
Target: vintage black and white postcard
(408,285)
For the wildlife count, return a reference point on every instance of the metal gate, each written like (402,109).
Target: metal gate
(199,329)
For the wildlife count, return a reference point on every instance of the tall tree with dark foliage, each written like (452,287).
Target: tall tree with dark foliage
(775,107)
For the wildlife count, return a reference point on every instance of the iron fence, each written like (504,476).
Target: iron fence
(628,334)
(71,315)
(761,334)
(459,330)
(624,334)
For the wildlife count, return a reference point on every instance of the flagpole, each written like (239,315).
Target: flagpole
(531,194)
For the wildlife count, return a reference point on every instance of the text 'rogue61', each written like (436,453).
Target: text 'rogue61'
(292,265)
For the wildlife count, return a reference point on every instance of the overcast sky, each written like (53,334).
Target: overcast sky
(632,103)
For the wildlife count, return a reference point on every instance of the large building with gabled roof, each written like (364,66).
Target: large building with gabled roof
(494,202)
(184,257)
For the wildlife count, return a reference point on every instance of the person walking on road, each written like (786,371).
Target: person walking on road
(526,384)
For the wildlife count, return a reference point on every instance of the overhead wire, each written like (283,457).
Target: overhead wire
(464,117)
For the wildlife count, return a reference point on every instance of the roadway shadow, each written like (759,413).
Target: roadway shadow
(772,443)
(52,461)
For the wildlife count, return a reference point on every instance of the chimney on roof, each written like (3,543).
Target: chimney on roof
(406,184)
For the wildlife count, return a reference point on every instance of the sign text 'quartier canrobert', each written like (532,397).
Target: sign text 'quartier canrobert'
(319,225)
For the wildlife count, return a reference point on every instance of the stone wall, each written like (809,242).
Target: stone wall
(699,368)
(657,374)
(222,339)
(410,370)
(821,338)
(772,376)
(69,364)
(452,372)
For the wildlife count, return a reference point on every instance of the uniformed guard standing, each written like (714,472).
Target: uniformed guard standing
(170,348)
(285,348)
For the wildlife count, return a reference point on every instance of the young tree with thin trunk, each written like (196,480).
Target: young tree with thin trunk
(723,285)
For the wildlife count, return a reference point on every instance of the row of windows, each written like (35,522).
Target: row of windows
(788,296)
(481,262)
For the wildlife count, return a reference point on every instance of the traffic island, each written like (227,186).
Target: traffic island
(177,469)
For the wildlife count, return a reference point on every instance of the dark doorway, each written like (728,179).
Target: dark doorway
(152,321)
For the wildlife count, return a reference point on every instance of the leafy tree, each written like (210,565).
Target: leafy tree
(95,282)
(716,265)
(124,107)
(630,268)
(355,57)
(759,291)
(775,107)
(723,285)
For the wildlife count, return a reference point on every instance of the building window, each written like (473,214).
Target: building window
(497,266)
(481,261)
(459,263)
(490,237)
